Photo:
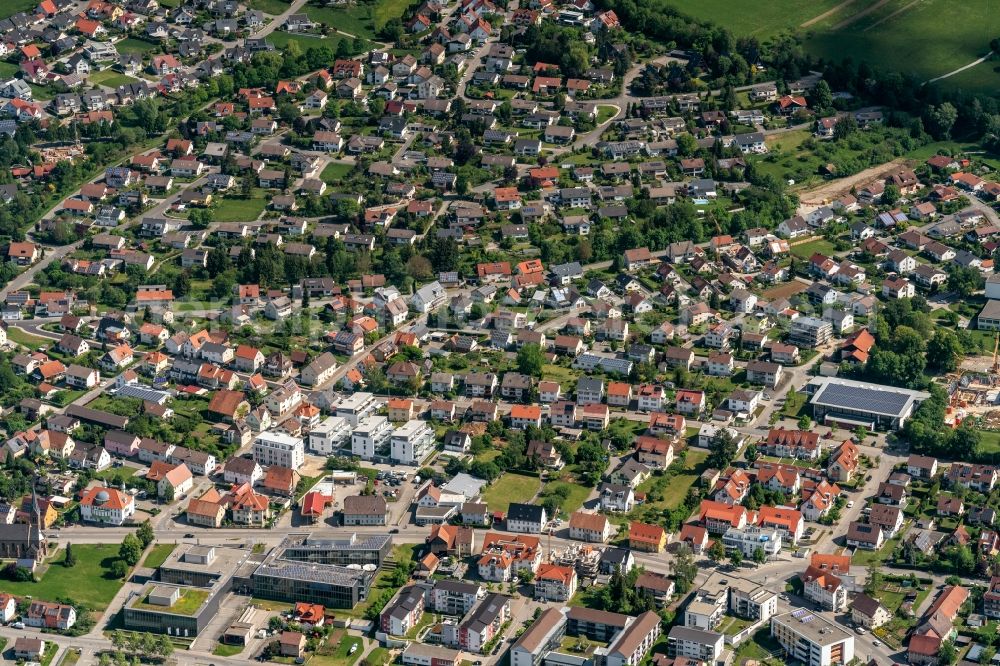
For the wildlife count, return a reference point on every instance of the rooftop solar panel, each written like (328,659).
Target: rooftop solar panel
(862,398)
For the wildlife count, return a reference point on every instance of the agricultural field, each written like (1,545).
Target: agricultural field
(926,38)
(761,20)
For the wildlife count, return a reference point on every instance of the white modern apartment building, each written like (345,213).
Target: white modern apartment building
(812,639)
(326,437)
(696,644)
(371,436)
(411,442)
(748,539)
(277,448)
(356,407)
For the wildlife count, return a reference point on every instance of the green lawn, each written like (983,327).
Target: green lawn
(115,476)
(189,602)
(335,172)
(509,488)
(110,78)
(794,402)
(158,554)
(25,339)
(93,564)
(274,7)
(8,69)
(140,46)
(355,19)
(605,112)
(863,558)
(575,498)
(282,39)
(670,492)
(379,657)
(51,649)
(339,655)
(225,650)
(989,441)
(807,249)
(238,210)
(565,376)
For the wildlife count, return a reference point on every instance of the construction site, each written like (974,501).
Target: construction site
(974,390)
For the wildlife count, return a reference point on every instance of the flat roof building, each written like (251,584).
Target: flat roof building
(811,639)
(854,403)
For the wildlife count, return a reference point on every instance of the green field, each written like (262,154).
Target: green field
(268,6)
(809,248)
(158,554)
(925,38)
(8,69)
(282,39)
(238,210)
(15,6)
(334,172)
(132,45)
(110,78)
(93,564)
(361,19)
(989,441)
(28,340)
(509,488)
(225,650)
(574,500)
(339,655)
(763,19)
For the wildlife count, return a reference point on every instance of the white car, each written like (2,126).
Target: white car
(860,630)
(850,505)
(877,643)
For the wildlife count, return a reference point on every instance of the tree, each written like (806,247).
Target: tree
(890,195)
(964,280)
(164,647)
(723,449)
(685,568)
(145,533)
(759,556)
(805,422)
(941,119)
(822,95)
(944,351)
(947,653)
(736,557)
(130,550)
(717,552)
(751,453)
(70,558)
(119,568)
(530,360)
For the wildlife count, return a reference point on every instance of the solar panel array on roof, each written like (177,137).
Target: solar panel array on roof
(863,398)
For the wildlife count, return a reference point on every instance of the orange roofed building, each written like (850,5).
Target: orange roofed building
(646,538)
